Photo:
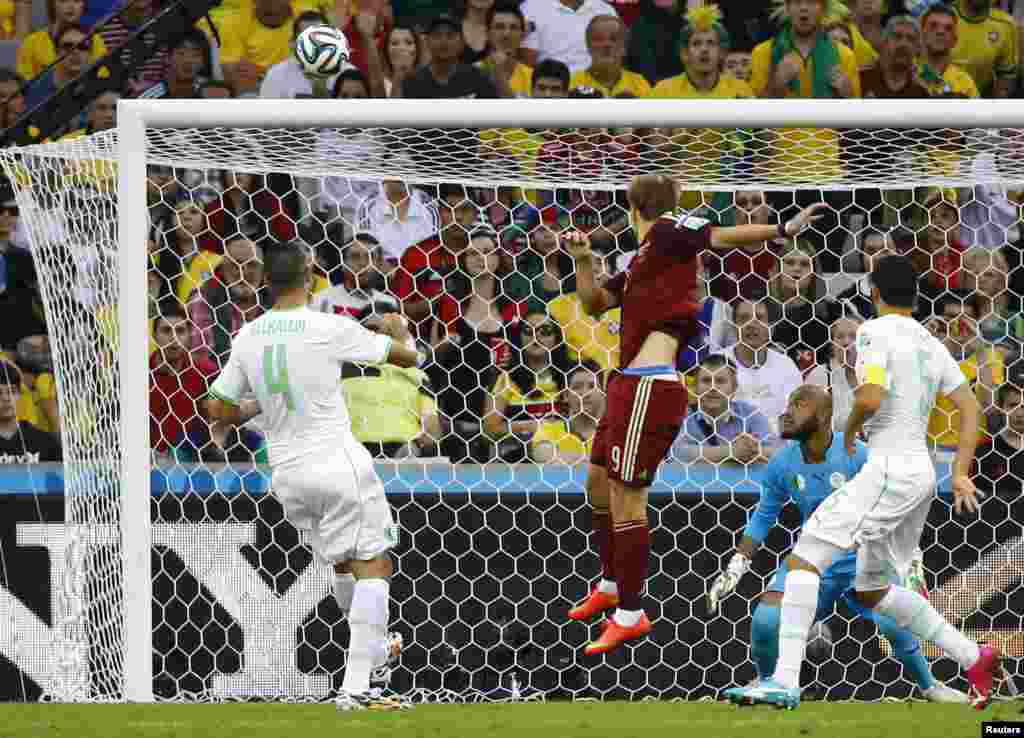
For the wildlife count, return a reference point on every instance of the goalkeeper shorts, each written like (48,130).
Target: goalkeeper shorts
(642,419)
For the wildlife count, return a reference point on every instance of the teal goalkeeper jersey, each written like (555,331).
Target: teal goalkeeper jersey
(788,477)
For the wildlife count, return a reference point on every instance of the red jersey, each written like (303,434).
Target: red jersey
(656,292)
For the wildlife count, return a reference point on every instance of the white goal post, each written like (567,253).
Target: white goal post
(273,136)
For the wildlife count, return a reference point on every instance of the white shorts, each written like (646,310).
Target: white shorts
(339,503)
(881,512)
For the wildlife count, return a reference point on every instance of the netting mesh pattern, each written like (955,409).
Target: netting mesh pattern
(460,231)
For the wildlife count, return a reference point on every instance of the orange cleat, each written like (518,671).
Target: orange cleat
(595,604)
(614,635)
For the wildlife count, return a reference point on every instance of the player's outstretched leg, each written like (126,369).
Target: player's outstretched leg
(908,651)
(632,550)
(605,594)
(982,663)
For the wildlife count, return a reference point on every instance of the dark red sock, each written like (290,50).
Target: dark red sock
(632,551)
(601,532)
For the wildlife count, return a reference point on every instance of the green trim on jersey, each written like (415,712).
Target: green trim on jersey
(224,398)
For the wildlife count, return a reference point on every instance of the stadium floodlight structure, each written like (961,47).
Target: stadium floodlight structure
(85,205)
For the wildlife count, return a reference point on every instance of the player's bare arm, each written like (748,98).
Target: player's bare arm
(736,236)
(867,399)
(403,351)
(595,299)
(221,411)
(965,495)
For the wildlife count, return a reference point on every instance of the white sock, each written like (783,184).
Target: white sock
(913,612)
(367,624)
(608,586)
(628,618)
(344,585)
(799,603)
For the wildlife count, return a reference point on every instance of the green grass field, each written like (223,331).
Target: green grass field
(523,720)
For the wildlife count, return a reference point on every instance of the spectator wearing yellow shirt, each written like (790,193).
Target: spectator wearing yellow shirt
(506,28)
(589,339)
(702,46)
(569,441)
(606,42)
(987,47)
(527,395)
(76,55)
(38,401)
(802,61)
(39,50)
(392,409)
(936,69)
(257,38)
(956,325)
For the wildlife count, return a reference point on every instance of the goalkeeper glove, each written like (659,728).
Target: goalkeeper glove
(727,581)
(916,581)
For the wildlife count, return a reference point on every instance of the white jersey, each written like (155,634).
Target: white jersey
(913,366)
(291,360)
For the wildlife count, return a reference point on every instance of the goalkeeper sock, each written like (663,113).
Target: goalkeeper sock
(632,551)
(907,649)
(344,585)
(601,524)
(913,612)
(799,603)
(764,639)
(367,624)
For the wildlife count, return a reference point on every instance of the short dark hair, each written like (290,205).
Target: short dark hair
(308,17)
(448,190)
(552,69)
(653,195)
(350,75)
(169,310)
(506,8)
(938,9)
(10,375)
(286,267)
(711,362)
(896,280)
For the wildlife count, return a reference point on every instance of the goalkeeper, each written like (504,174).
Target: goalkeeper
(807,472)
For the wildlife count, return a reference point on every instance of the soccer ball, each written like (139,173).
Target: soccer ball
(322,51)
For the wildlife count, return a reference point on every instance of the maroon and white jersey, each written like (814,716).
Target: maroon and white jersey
(342,301)
(657,292)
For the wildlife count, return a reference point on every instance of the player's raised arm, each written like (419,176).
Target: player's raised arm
(732,237)
(762,520)
(595,299)
(403,351)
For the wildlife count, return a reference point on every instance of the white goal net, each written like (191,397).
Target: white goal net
(483,452)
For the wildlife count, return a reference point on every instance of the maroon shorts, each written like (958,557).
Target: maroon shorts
(643,417)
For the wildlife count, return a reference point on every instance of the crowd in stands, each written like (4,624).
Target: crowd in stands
(517,369)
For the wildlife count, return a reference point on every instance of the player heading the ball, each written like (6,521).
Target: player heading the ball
(647,400)
(290,358)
